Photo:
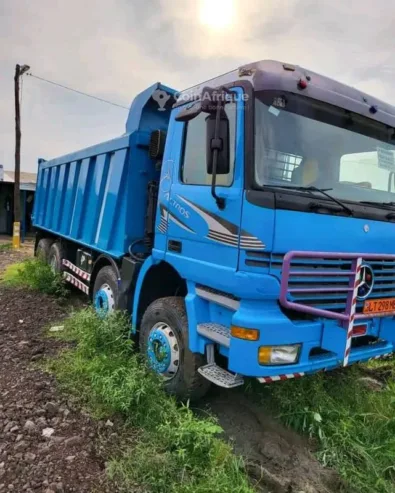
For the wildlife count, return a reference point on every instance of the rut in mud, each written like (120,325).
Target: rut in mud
(277,458)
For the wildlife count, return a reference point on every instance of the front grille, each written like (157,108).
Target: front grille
(330,291)
(323,282)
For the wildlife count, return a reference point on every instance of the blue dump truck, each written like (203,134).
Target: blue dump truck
(246,224)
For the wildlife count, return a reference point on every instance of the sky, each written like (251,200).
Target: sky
(115,49)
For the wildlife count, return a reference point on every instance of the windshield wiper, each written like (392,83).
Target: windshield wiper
(316,189)
(370,202)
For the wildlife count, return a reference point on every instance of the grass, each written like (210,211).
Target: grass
(4,247)
(175,451)
(354,427)
(34,274)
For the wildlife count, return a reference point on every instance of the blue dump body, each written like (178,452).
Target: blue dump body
(97,196)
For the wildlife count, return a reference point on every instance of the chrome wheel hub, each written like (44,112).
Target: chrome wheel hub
(163,350)
(104,300)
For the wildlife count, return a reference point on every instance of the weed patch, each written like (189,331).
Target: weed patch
(176,451)
(4,247)
(37,275)
(353,426)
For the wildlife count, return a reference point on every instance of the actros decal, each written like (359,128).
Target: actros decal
(223,231)
(219,230)
(162,226)
(179,208)
(166,215)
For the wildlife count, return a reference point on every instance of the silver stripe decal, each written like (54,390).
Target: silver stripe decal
(213,224)
(251,242)
(180,224)
(222,240)
(218,232)
(222,235)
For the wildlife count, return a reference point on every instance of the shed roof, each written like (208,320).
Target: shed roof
(28,180)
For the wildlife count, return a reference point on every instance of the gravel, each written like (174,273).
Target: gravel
(47,445)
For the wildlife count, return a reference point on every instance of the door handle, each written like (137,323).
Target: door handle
(174,246)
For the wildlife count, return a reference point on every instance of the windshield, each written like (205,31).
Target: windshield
(302,142)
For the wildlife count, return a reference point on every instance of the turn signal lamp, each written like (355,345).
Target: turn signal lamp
(246,334)
(278,355)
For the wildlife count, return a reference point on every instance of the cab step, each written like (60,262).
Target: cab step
(220,377)
(215,332)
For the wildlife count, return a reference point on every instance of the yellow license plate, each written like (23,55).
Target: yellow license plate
(380,305)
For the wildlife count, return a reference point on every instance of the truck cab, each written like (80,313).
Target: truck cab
(269,229)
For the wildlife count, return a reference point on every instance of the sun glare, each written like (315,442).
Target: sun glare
(217,14)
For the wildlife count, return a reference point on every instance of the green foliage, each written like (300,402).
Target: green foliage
(354,426)
(176,451)
(37,275)
(4,247)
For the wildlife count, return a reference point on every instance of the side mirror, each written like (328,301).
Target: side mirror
(219,143)
(190,112)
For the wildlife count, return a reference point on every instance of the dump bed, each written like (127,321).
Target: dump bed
(97,196)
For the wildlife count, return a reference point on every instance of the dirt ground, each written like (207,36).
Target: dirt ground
(12,256)
(277,458)
(49,446)
(46,445)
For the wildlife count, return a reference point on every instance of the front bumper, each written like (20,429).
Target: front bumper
(277,329)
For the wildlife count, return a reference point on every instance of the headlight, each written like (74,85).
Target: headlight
(278,355)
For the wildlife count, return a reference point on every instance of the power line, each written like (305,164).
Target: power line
(78,92)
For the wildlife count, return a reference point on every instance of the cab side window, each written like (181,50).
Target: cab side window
(193,170)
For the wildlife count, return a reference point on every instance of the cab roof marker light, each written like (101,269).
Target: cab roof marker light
(289,67)
(302,84)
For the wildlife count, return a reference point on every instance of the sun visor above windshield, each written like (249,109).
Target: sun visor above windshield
(269,75)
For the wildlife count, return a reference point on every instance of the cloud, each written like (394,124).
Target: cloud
(115,49)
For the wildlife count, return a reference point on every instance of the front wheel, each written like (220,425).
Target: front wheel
(164,342)
(106,291)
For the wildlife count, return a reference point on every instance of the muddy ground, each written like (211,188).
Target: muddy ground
(47,445)
(278,459)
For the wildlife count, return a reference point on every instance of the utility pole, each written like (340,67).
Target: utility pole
(16,235)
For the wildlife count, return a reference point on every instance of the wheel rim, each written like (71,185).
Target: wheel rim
(163,350)
(104,300)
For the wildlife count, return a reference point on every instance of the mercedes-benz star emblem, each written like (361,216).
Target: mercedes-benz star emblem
(365,282)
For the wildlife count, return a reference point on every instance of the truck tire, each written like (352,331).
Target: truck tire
(106,291)
(43,248)
(164,342)
(55,257)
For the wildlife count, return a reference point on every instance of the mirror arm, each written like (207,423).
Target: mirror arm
(220,201)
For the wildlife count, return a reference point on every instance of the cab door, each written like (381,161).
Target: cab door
(203,240)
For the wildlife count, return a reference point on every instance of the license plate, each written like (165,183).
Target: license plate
(380,305)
